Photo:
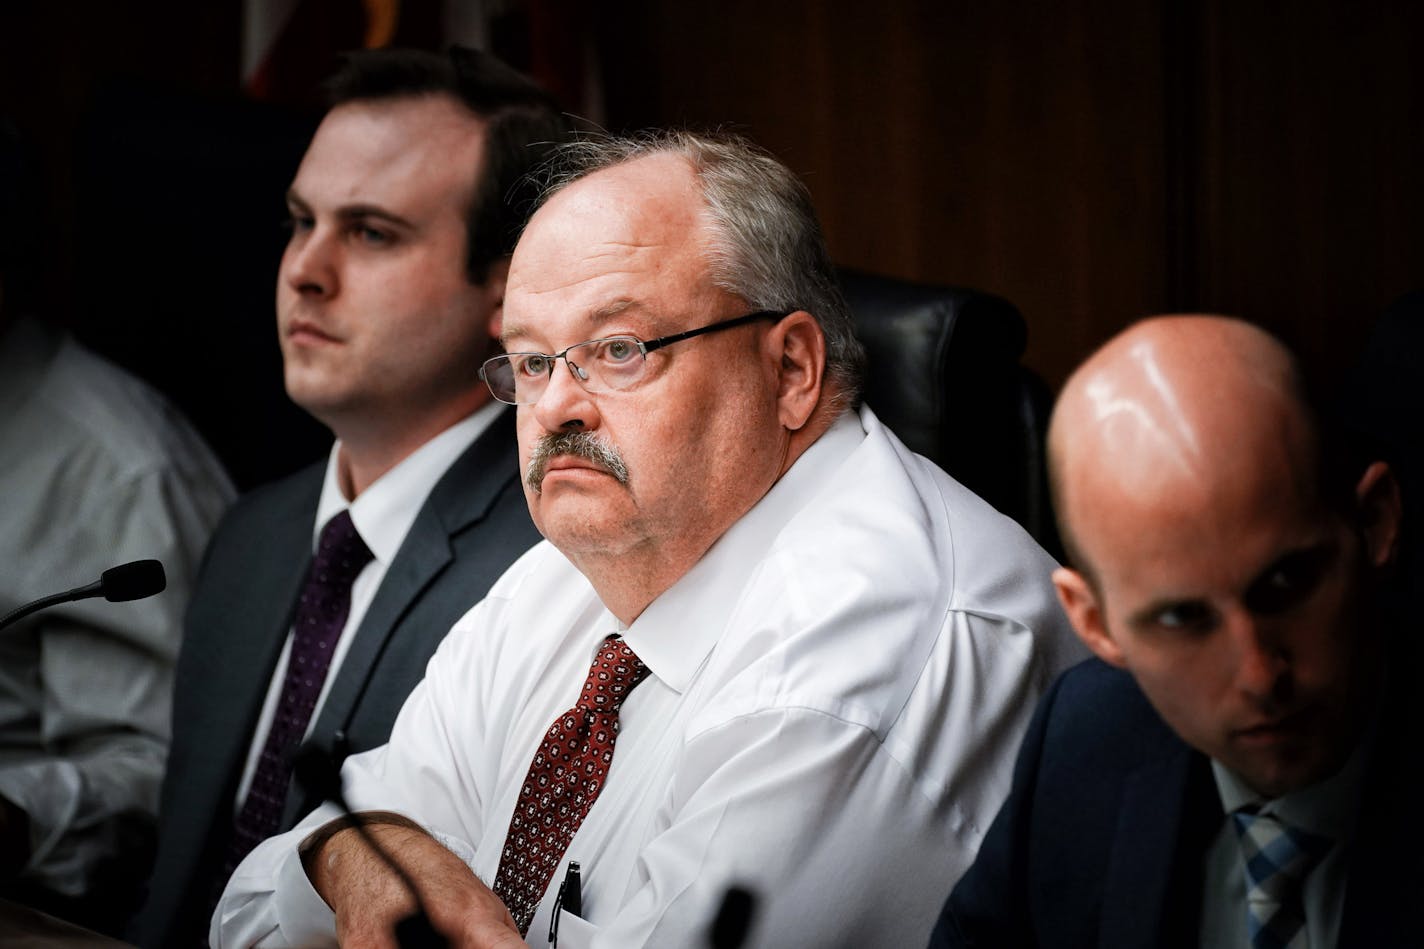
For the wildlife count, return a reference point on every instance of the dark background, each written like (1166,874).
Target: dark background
(1092,162)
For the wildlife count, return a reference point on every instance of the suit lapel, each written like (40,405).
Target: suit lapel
(1152,890)
(460,499)
(247,652)
(234,630)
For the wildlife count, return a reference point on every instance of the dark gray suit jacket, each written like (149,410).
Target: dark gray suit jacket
(474,524)
(1101,842)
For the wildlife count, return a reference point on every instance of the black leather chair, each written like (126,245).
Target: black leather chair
(943,372)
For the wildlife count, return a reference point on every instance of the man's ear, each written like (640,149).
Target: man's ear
(799,348)
(1081,604)
(1377,495)
(492,291)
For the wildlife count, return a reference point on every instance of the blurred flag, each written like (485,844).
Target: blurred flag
(288,46)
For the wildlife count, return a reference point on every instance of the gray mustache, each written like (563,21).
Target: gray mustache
(586,445)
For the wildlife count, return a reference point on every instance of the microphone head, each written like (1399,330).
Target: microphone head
(318,772)
(133,581)
(734,918)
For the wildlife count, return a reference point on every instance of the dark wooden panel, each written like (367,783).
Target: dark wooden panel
(1092,162)
(1013,147)
(1310,149)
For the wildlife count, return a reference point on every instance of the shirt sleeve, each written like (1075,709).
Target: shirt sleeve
(103,674)
(270,901)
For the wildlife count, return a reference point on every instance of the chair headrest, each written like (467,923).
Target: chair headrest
(943,373)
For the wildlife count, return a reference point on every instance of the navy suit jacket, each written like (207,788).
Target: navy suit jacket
(474,524)
(1102,838)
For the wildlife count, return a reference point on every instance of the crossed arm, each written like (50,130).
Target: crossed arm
(369,899)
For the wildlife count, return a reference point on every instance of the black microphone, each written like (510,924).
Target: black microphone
(734,919)
(317,771)
(129,581)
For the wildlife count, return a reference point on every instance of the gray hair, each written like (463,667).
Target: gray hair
(767,246)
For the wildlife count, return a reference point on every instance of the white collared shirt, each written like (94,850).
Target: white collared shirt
(836,694)
(383,514)
(1328,809)
(96,469)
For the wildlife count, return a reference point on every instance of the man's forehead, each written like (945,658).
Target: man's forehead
(626,313)
(411,143)
(627,242)
(1228,462)
(1193,540)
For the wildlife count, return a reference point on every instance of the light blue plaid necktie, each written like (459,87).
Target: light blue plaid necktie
(1278,858)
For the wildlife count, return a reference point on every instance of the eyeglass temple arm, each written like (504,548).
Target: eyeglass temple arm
(662,341)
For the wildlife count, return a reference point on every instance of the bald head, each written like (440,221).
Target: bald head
(1181,407)
(1221,559)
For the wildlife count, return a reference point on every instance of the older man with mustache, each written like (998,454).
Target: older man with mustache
(766,647)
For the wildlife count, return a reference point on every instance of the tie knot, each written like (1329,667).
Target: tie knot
(340,553)
(615,671)
(1278,856)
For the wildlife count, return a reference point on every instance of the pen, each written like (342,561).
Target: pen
(573,890)
(570,899)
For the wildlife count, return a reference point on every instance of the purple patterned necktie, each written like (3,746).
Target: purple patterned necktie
(321,615)
(563,781)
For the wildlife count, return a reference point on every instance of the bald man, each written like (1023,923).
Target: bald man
(1239,716)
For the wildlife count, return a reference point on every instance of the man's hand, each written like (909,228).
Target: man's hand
(369,899)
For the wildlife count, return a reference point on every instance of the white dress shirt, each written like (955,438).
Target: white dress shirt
(836,695)
(96,469)
(383,514)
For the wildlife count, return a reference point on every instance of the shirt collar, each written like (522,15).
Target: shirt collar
(1328,807)
(676,632)
(384,511)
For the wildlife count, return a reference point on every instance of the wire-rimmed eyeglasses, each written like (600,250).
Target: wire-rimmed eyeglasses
(600,365)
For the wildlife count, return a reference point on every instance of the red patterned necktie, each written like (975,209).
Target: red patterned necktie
(564,779)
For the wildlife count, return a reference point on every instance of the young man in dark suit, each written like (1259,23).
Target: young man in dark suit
(1235,768)
(323,595)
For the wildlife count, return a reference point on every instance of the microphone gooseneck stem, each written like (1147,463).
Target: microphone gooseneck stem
(81,593)
(415,931)
(319,771)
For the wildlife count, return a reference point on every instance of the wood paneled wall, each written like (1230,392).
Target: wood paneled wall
(1093,162)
